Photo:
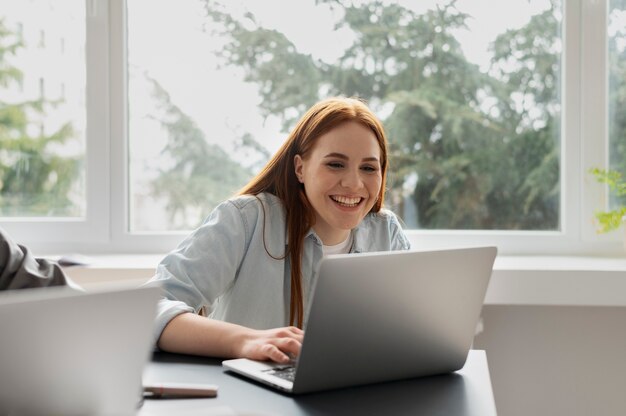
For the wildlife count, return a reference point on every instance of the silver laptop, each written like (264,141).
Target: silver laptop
(67,352)
(384,316)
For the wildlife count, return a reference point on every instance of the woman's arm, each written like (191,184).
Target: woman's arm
(189,333)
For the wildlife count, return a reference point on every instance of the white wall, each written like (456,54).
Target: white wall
(556,360)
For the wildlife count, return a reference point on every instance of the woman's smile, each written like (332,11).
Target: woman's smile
(342,179)
(347,202)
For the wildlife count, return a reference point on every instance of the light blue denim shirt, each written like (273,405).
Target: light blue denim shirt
(224,265)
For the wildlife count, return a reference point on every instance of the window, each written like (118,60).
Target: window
(42,110)
(495,112)
(53,123)
(470,98)
(617,86)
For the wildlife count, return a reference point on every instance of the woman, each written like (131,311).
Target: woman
(253,262)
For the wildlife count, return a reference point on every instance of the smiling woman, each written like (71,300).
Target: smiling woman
(342,179)
(255,259)
(193,97)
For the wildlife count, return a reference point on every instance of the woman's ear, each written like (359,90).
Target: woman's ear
(298,166)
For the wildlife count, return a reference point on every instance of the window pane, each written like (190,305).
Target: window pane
(42,108)
(617,90)
(469,93)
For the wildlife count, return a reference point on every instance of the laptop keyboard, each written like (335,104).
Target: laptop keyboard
(287,372)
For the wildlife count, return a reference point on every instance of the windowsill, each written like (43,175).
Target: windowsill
(558,280)
(113,268)
(517,280)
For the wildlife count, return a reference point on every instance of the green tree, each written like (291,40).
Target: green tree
(527,62)
(617,95)
(200,175)
(35,179)
(467,164)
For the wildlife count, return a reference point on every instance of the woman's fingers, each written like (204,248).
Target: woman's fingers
(280,349)
(279,344)
(289,345)
(272,352)
(295,330)
(288,332)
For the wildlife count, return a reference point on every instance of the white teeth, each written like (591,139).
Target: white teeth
(343,200)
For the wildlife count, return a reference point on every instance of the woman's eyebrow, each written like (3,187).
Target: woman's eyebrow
(344,157)
(337,155)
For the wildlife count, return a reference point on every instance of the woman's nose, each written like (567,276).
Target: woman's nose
(352,180)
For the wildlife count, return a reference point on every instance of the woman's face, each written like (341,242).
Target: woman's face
(342,179)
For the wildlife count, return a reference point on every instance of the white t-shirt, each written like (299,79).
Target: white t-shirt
(341,248)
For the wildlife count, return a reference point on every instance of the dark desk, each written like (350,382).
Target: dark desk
(467,392)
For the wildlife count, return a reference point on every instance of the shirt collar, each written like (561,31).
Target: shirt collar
(360,233)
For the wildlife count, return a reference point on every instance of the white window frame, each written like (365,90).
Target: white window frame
(93,228)
(104,229)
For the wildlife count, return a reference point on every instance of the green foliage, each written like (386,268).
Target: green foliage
(617,97)
(272,62)
(613,178)
(612,219)
(34,178)
(480,158)
(200,176)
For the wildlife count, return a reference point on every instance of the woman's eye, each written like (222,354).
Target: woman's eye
(369,168)
(335,165)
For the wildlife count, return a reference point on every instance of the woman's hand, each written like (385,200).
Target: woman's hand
(278,344)
(189,333)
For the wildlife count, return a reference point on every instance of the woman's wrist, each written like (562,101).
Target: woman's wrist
(240,336)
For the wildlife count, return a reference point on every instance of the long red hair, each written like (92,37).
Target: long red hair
(278,177)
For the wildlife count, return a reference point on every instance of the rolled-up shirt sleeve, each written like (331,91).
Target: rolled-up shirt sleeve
(203,266)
